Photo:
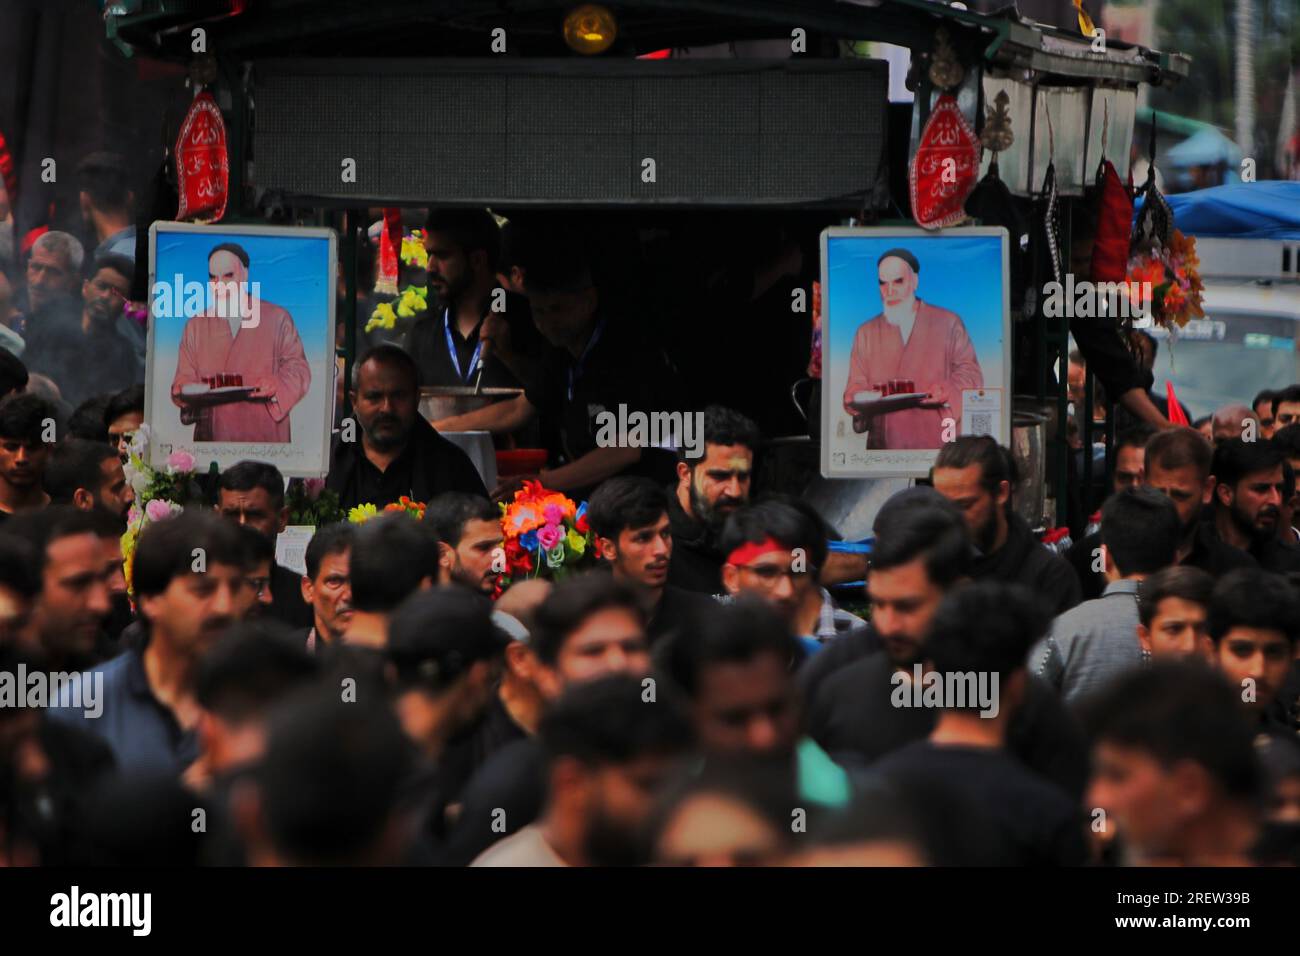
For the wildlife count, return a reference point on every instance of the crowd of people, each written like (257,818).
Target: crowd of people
(701,696)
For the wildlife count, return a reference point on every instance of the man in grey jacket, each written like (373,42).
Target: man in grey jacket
(1096,641)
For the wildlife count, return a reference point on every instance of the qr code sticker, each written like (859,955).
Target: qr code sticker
(981,423)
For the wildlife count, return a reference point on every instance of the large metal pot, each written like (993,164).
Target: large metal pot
(1029,446)
(444,401)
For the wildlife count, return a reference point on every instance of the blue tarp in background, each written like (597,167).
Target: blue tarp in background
(1263,210)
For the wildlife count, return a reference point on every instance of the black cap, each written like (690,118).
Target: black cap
(898,253)
(436,634)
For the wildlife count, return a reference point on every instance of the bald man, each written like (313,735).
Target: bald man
(1230,421)
(245,336)
(910,339)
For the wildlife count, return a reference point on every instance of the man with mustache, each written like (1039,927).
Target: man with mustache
(450,343)
(398,453)
(327,585)
(99,359)
(190,586)
(88,475)
(709,489)
(1248,490)
(630,519)
(910,339)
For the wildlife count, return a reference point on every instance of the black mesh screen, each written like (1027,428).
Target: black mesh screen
(570,131)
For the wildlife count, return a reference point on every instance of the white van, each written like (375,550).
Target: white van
(1247,341)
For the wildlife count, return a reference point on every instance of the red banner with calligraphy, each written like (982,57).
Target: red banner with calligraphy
(945,167)
(202,166)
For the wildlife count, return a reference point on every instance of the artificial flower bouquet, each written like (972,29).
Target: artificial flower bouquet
(159,494)
(1174,272)
(364,512)
(546,535)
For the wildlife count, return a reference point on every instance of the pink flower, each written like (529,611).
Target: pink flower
(180,461)
(549,536)
(554,514)
(313,487)
(157,510)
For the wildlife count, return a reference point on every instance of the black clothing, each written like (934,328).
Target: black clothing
(836,655)
(427,344)
(676,608)
(696,564)
(47,811)
(1275,556)
(1035,823)
(470,749)
(1025,560)
(287,604)
(512,781)
(1209,553)
(428,466)
(103,362)
(853,718)
(54,347)
(618,368)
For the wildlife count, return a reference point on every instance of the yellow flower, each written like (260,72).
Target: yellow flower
(362,513)
(382,318)
(577,542)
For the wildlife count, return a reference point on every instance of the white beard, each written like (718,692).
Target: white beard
(902,315)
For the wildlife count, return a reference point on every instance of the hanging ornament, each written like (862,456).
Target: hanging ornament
(390,238)
(1114,218)
(997,135)
(945,167)
(202,163)
(946,71)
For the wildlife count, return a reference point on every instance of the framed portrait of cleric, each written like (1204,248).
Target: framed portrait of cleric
(916,346)
(240,360)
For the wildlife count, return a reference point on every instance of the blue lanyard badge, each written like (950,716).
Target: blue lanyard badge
(451,349)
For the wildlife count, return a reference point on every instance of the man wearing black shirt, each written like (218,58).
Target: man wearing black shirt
(597,366)
(1249,484)
(630,519)
(474,325)
(398,453)
(468,528)
(252,493)
(984,631)
(1178,465)
(24,426)
(977,475)
(707,491)
(921,553)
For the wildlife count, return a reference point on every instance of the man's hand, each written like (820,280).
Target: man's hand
(936,395)
(494,333)
(506,488)
(264,388)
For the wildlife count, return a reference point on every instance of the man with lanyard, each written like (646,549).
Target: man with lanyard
(452,344)
(596,365)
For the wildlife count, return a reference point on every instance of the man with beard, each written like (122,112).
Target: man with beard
(149,707)
(74,601)
(1262,405)
(1253,623)
(88,475)
(607,753)
(630,519)
(468,528)
(399,454)
(1249,485)
(596,365)
(449,345)
(1178,463)
(710,488)
(978,475)
(910,339)
(26,422)
(327,585)
(98,359)
(922,552)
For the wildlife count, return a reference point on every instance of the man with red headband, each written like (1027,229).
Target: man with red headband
(913,340)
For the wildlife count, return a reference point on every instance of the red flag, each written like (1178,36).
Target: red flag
(1176,415)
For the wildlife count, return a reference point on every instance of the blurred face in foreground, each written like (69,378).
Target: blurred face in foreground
(609,641)
(903,602)
(1151,805)
(747,707)
(716,829)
